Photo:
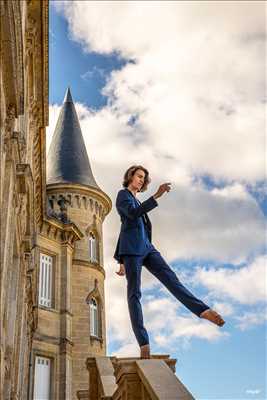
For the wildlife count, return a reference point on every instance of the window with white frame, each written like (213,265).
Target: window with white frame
(94,322)
(45,280)
(42,377)
(93,248)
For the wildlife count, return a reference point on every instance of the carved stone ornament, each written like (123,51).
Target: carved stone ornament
(30,312)
(15,201)
(9,123)
(22,147)
(96,294)
(63,215)
(67,237)
(31,283)
(7,362)
(21,211)
(93,228)
(28,259)
(30,34)
(34,114)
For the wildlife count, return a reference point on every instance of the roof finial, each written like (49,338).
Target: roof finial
(68,97)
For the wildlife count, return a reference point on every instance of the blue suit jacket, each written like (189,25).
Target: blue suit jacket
(131,240)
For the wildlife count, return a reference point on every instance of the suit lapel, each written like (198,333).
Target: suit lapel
(145,216)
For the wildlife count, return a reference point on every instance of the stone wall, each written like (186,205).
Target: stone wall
(23,117)
(80,280)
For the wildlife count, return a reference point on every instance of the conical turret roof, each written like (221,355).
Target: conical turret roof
(67,160)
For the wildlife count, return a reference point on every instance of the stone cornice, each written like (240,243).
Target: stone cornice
(62,233)
(89,265)
(83,190)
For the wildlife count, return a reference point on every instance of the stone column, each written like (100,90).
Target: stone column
(128,381)
(65,322)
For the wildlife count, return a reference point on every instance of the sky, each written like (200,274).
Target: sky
(179,87)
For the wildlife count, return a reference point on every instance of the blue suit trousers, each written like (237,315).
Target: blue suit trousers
(155,264)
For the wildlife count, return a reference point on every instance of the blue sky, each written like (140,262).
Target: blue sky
(85,73)
(219,198)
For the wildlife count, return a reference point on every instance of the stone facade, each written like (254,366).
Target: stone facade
(40,221)
(63,332)
(24,115)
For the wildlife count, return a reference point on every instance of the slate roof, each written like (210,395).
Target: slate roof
(67,160)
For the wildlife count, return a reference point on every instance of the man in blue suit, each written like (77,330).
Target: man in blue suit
(135,249)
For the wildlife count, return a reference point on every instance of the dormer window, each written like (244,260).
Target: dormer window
(93,247)
(94,321)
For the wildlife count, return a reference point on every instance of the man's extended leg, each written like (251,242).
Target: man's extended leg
(156,264)
(133,268)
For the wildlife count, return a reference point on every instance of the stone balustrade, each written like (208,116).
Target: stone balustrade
(112,378)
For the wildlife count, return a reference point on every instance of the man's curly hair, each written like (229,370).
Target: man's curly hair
(128,176)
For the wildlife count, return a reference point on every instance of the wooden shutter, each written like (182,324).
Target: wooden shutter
(45,280)
(42,375)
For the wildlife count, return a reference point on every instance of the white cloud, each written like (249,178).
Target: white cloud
(198,83)
(253,391)
(246,285)
(251,319)
(222,224)
(127,350)
(93,73)
(225,309)
(235,191)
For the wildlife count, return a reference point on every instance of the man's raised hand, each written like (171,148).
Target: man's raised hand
(164,187)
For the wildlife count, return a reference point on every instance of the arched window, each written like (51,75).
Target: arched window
(94,322)
(93,253)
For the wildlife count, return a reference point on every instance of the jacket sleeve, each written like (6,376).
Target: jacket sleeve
(125,205)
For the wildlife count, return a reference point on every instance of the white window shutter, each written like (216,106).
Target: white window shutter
(93,318)
(42,378)
(91,321)
(93,248)
(45,280)
(90,248)
(69,378)
(96,322)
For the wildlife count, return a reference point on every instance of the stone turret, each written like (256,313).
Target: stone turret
(74,197)
(67,160)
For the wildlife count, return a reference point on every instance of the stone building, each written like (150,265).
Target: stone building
(52,275)
(52,310)
(71,308)
(23,118)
